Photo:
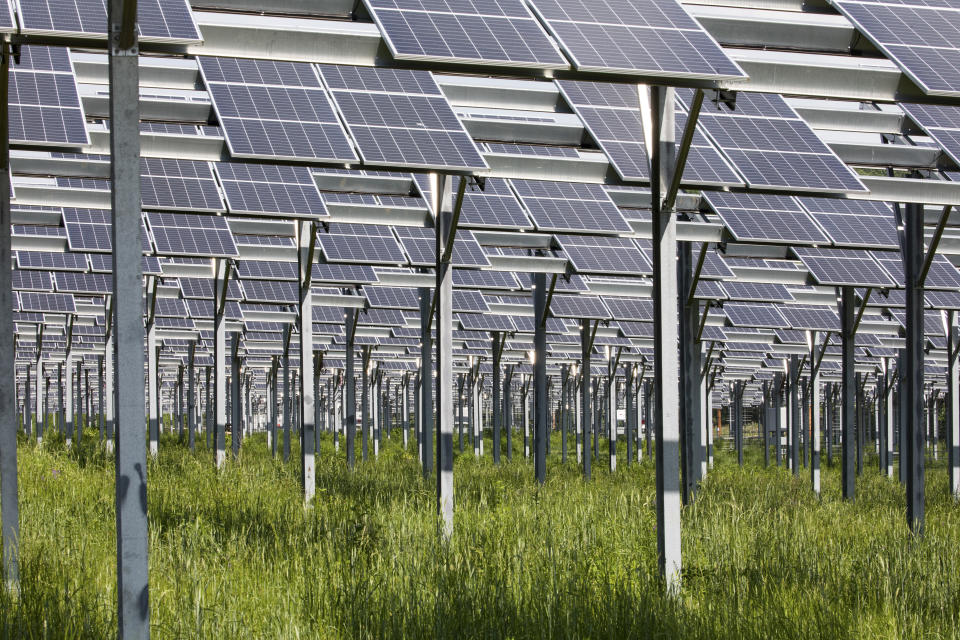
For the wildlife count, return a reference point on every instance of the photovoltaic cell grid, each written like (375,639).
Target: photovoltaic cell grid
(361,244)
(765,218)
(575,306)
(344,273)
(270,292)
(924,41)
(169,183)
(597,254)
(813,317)
(772,147)
(844,267)
(185,234)
(760,291)
(44,106)
(854,223)
(400,118)
(743,314)
(74,282)
(169,21)
(611,113)
(485,279)
(942,274)
(642,37)
(496,207)
(32,280)
(274,110)
(51,261)
(501,32)
(270,189)
(47,302)
(420,245)
(570,207)
(940,122)
(6,17)
(91,230)
(266,269)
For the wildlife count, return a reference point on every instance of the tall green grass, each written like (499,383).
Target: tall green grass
(235,555)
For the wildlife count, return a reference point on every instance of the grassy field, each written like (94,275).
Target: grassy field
(235,555)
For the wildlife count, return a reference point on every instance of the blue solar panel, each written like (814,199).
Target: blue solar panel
(570,207)
(762,218)
(501,32)
(184,234)
(924,41)
(92,230)
(44,106)
(485,322)
(760,291)
(415,127)
(344,273)
(51,261)
(73,282)
(32,280)
(275,110)
(817,318)
(270,189)
(772,147)
(202,288)
(630,308)
(855,223)
(361,249)
(844,267)
(754,315)
(279,292)
(611,114)
(596,254)
(420,245)
(168,183)
(485,279)
(644,37)
(577,306)
(266,269)
(942,273)
(47,302)
(496,207)
(6,17)
(157,20)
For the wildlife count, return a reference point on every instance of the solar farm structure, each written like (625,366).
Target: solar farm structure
(647,222)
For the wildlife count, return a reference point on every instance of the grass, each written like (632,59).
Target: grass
(235,555)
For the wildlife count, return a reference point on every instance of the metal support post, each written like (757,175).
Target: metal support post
(446,226)
(912,372)
(540,402)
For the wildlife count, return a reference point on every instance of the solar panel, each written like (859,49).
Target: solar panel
(270,189)
(765,218)
(32,280)
(924,41)
(760,291)
(772,147)
(169,21)
(843,267)
(400,118)
(485,322)
(420,246)
(185,234)
(274,110)
(393,297)
(6,18)
(47,302)
(501,32)
(715,267)
(542,150)
(940,122)
(73,282)
(496,207)
(577,306)
(266,269)
(51,261)
(44,106)
(638,309)
(170,308)
(169,183)
(361,244)
(817,318)
(279,292)
(202,288)
(570,207)
(484,279)
(643,37)
(754,315)
(942,274)
(854,223)
(597,254)
(611,113)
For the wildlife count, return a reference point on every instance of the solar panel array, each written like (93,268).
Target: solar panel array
(611,113)
(169,183)
(773,147)
(940,122)
(263,189)
(641,37)
(499,32)
(844,267)
(44,105)
(169,21)
(361,244)
(570,207)
(924,41)
(400,118)
(765,218)
(184,234)
(274,110)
